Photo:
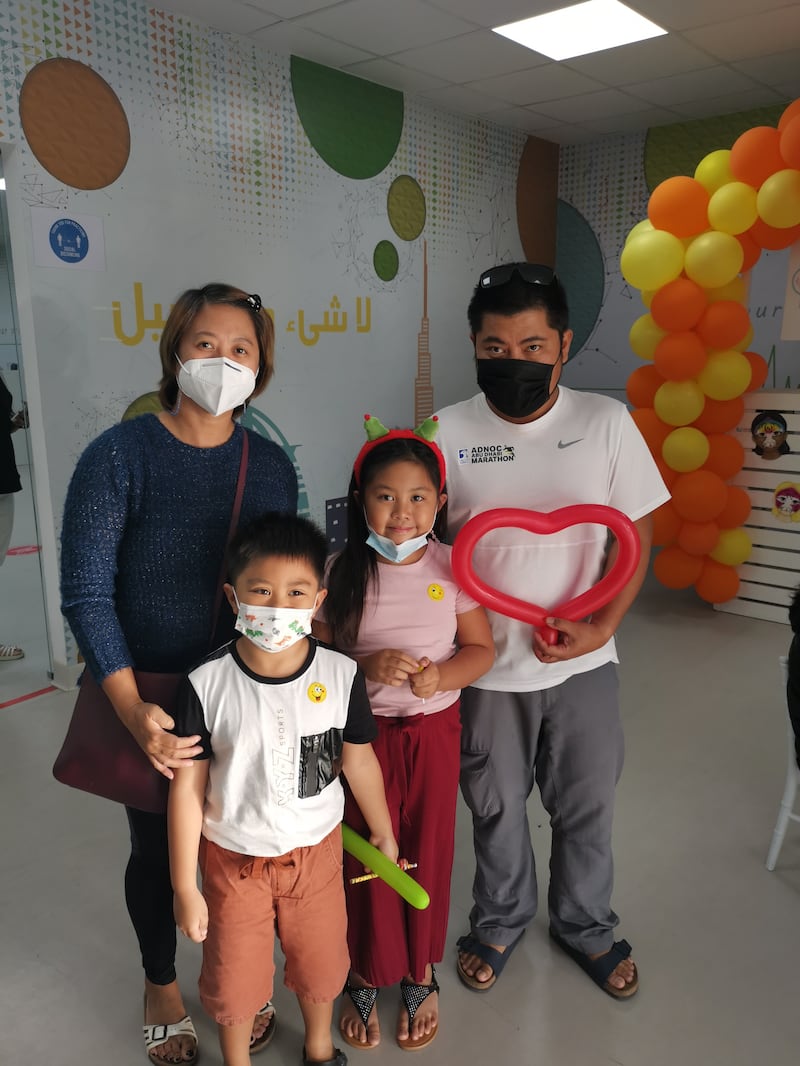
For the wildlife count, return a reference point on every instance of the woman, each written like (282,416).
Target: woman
(9,484)
(145,525)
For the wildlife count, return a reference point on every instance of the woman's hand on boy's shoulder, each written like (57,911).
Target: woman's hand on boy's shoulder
(389,666)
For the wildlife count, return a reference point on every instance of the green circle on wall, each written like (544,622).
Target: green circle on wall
(580,268)
(353,124)
(146,404)
(679,147)
(385,260)
(405,205)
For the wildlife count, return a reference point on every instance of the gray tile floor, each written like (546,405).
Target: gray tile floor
(716,937)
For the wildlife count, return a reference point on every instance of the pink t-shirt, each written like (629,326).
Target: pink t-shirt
(413,609)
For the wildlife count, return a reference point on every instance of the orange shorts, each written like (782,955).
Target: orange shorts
(301,896)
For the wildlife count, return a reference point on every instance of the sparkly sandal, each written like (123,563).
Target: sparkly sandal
(10,652)
(413,998)
(258,1043)
(363,1000)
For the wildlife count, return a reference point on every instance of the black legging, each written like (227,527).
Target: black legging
(148,893)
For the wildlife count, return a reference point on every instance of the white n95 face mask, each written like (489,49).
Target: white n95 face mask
(217,384)
(273,628)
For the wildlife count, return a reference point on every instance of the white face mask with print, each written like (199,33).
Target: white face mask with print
(273,629)
(217,385)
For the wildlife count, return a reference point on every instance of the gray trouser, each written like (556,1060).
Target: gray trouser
(567,739)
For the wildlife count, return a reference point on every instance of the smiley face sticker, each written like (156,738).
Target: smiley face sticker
(317,692)
(436,592)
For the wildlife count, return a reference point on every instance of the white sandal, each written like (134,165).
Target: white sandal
(156,1035)
(9,652)
(259,1043)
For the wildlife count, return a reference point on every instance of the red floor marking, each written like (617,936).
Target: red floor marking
(23,549)
(30,696)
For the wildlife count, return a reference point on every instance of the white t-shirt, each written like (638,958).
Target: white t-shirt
(585,449)
(275,746)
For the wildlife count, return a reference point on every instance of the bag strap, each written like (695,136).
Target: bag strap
(235,512)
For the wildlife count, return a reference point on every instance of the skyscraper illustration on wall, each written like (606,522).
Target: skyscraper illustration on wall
(423,387)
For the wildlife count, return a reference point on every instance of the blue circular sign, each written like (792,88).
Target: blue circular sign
(69,240)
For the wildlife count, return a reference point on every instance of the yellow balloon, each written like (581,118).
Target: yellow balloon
(732,208)
(733,547)
(685,449)
(644,336)
(650,260)
(647,296)
(714,170)
(713,259)
(736,290)
(645,226)
(725,375)
(679,402)
(779,199)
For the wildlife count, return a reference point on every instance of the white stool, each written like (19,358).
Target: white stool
(786,812)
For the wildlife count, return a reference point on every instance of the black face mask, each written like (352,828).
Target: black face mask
(515,387)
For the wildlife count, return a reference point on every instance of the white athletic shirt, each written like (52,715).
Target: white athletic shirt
(585,449)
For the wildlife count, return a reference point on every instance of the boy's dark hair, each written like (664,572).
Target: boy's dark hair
(518,295)
(794,612)
(356,565)
(277,533)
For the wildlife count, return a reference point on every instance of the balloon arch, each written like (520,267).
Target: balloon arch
(687,258)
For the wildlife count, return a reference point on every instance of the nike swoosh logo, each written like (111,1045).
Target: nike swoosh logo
(569,443)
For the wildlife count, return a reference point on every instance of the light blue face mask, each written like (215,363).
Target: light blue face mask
(395,553)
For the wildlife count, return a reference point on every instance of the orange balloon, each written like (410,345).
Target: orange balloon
(679,205)
(790,142)
(751,249)
(666,523)
(723,324)
(678,305)
(698,538)
(726,455)
(792,111)
(651,428)
(699,496)
(755,155)
(679,356)
(770,237)
(675,569)
(720,416)
(717,583)
(760,370)
(736,510)
(668,475)
(642,385)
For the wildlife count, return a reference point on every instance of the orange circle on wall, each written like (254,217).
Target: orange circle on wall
(74,123)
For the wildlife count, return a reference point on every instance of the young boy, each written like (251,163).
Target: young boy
(278,716)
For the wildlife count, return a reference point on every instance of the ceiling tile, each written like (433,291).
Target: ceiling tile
(656,58)
(591,105)
(287,38)
(232,18)
(481,54)
(681,14)
(549,81)
(520,118)
(753,35)
(288,9)
(760,96)
(697,84)
(460,98)
(769,69)
(641,120)
(497,13)
(384,26)
(385,72)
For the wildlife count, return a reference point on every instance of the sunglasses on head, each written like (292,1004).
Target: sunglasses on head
(533,273)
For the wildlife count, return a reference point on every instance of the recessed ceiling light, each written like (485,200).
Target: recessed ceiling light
(580,29)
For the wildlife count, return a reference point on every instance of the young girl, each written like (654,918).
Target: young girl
(394,606)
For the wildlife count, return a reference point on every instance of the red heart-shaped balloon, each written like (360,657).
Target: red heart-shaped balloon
(578,607)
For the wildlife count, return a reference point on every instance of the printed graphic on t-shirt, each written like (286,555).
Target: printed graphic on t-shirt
(436,592)
(320,762)
(486,453)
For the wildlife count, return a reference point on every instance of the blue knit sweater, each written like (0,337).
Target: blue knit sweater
(145,523)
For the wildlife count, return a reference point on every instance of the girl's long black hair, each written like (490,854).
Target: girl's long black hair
(356,565)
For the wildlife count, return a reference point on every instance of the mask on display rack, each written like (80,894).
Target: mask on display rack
(515,387)
(217,385)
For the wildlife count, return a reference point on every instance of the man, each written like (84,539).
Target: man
(544,713)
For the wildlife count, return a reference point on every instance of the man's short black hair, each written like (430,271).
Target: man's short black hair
(518,295)
(276,533)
